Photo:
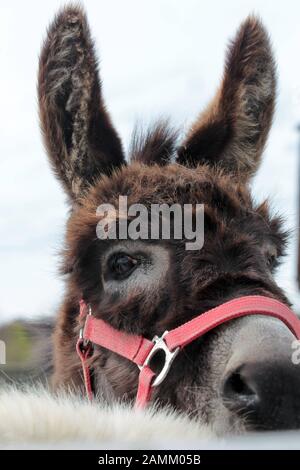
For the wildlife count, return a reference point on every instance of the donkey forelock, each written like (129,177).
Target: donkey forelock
(147,287)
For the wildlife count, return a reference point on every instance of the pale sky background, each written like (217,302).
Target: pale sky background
(158,58)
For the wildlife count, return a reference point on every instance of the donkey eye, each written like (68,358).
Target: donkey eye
(121,265)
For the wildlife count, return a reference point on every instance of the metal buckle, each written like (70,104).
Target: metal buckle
(160,345)
(84,342)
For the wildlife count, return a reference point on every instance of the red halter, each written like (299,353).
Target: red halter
(141,350)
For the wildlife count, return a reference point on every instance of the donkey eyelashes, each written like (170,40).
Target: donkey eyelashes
(120,265)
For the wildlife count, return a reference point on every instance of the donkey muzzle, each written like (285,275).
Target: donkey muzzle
(261,382)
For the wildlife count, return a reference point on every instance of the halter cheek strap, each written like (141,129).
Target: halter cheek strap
(140,350)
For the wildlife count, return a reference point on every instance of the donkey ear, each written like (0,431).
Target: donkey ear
(80,140)
(231,133)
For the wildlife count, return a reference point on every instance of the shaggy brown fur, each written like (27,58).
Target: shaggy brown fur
(158,145)
(170,285)
(78,134)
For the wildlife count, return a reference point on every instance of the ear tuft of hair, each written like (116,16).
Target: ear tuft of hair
(231,133)
(155,146)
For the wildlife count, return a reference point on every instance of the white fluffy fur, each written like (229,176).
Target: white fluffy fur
(34,418)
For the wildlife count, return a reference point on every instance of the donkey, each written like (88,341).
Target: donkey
(240,375)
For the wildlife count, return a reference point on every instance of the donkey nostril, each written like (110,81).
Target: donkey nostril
(264,393)
(237,385)
(237,393)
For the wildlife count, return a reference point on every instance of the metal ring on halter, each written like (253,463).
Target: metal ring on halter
(160,345)
(85,342)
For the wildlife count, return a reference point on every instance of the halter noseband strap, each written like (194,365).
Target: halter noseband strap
(140,350)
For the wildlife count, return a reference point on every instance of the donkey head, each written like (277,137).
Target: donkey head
(240,376)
